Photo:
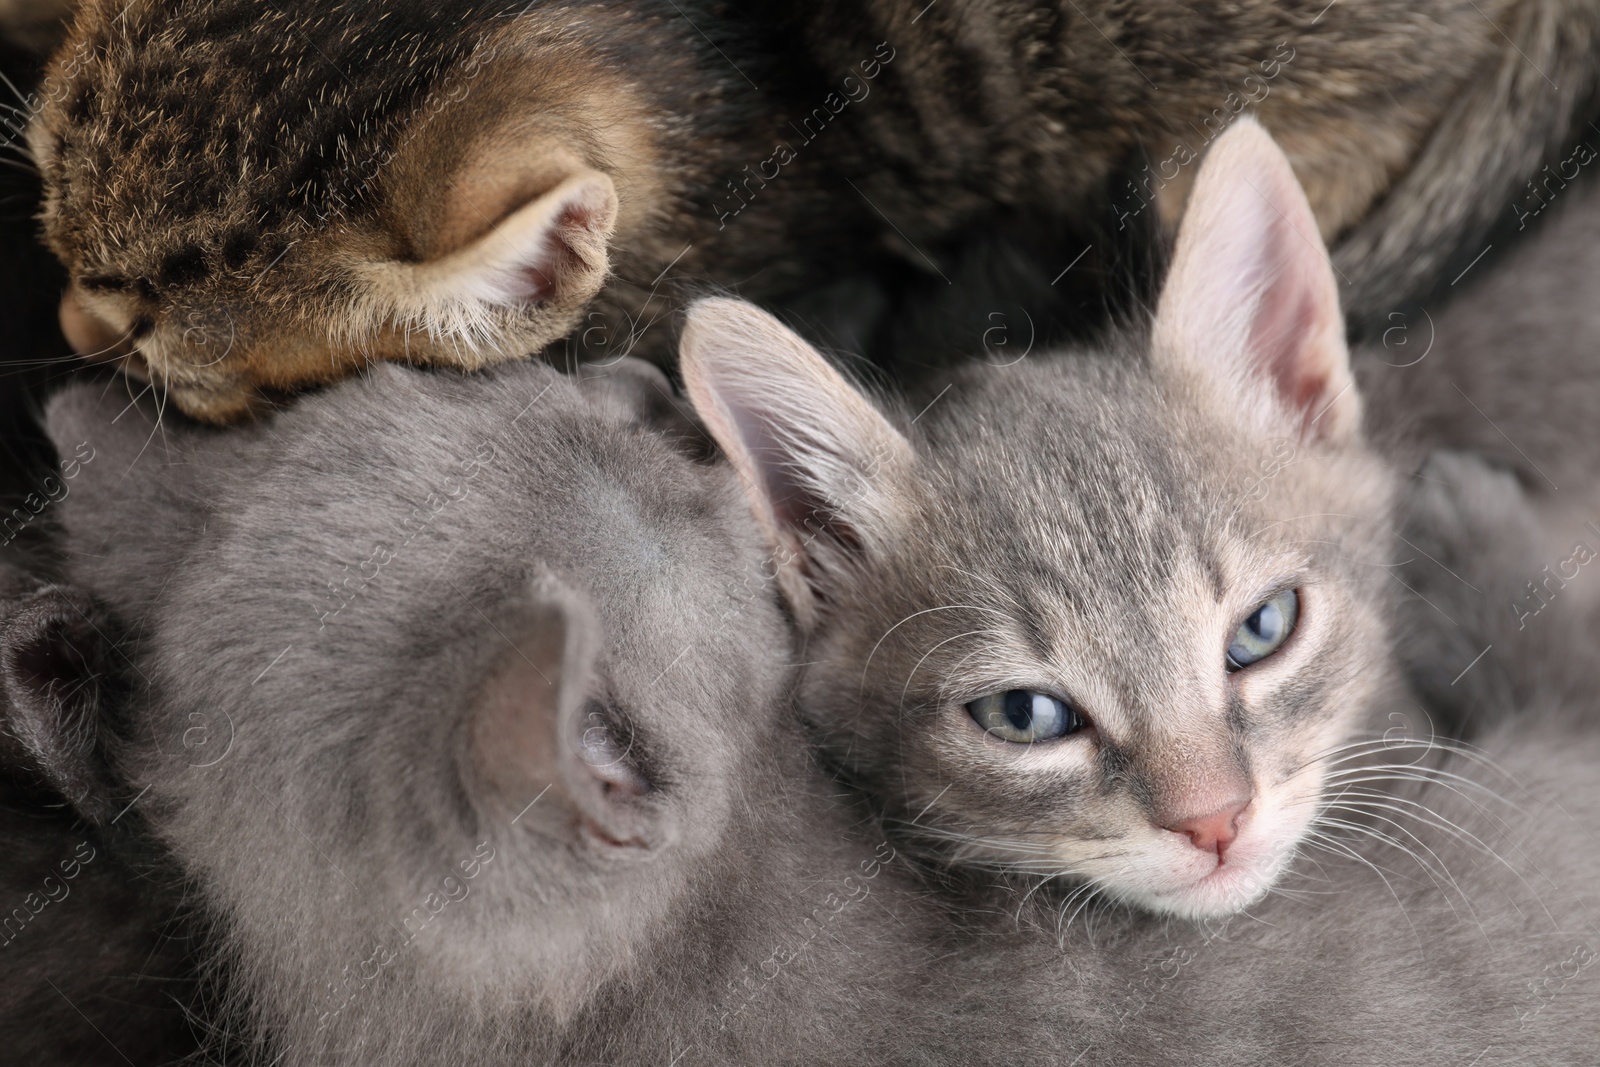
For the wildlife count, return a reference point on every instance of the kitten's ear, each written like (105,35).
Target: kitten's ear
(1250,302)
(56,671)
(537,730)
(818,462)
(499,226)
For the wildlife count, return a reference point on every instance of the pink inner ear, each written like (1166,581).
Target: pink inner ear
(1251,297)
(1288,325)
(557,258)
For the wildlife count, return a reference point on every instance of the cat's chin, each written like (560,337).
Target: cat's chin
(1225,890)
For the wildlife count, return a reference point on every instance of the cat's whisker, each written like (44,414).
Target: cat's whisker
(1438,877)
(1442,823)
(1095,886)
(1384,837)
(47,361)
(111,347)
(25,102)
(161,407)
(924,657)
(1442,867)
(1457,784)
(867,665)
(1374,797)
(1349,784)
(26,166)
(1317,839)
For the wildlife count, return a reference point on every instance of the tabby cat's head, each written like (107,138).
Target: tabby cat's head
(253,197)
(1108,615)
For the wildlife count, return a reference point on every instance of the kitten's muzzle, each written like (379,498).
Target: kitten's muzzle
(89,335)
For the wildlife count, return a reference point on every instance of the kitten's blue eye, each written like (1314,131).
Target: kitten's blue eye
(1265,631)
(1024,716)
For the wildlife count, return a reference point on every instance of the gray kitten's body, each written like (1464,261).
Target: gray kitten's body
(1507,371)
(364,820)
(770,926)
(1507,367)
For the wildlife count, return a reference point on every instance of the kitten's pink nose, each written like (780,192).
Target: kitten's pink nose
(1213,832)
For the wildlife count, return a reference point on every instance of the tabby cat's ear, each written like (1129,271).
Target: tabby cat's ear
(501,246)
(819,463)
(1251,302)
(543,746)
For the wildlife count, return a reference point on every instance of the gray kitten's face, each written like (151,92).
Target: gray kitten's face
(1101,616)
(464,676)
(1036,676)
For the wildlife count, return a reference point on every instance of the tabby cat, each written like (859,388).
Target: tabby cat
(251,197)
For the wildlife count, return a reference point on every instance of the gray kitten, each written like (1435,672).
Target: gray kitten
(1109,616)
(523,787)
(360,740)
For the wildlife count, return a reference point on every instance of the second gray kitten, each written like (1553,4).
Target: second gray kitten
(1110,617)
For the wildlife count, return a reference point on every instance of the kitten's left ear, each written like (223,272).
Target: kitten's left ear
(520,241)
(821,466)
(1251,303)
(534,728)
(54,670)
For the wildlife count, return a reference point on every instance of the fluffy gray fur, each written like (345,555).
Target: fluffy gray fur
(756,920)
(1095,526)
(359,788)
(1497,528)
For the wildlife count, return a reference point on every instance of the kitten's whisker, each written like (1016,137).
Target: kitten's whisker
(943,607)
(1374,797)
(1429,776)
(122,338)
(1460,833)
(1096,886)
(1339,848)
(1061,912)
(1442,866)
(161,408)
(1456,748)
(924,658)
(24,102)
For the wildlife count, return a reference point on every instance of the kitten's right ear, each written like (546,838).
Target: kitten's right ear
(537,728)
(56,670)
(1251,303)
(819,463)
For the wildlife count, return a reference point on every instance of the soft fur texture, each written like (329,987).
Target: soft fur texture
(1498,534)
(765,923)
(360,182)
(1094,526)
(387,875)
